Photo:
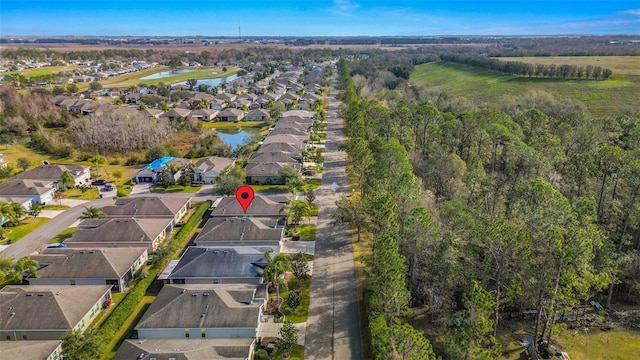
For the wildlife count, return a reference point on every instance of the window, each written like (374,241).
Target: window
(8,337)
(186,333)
(203,333)
(24,337)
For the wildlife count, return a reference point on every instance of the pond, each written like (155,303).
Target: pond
(236,137)
(164,74)
(213,81)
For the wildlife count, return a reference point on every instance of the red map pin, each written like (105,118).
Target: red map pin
(244,195)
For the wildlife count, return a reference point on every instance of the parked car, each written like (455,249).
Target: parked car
(109,187)
(57,246)
(99,182)
(308,173)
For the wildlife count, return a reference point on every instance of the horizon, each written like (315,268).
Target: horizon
(337,18)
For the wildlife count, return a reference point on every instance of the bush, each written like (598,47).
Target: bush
(133,160)
(294,298)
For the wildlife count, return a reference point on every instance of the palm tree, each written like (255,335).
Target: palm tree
(26,267)
(296,210)
(67,180)
(12,212)
(275,269)
(92,212)
(96,161)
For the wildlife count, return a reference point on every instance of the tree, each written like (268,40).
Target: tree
(410,344)
(166,178)
(296,210)
(192,83)
(92,212)
(293,185)
(13,212)
(274,269)
(35,210)
(67,180)
(156,152)
(299,266)
(309,194)
(95,85)
(72,88)
(288,337)
(77,345)
(352,211)
(25,267)
(288,172)
(229,181)
(23,163)
(96,161)
(187,174)
(294,298)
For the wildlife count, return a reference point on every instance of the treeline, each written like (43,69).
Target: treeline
(480,211)
(520,68)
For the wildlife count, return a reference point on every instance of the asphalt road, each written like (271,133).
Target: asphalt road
(333,326)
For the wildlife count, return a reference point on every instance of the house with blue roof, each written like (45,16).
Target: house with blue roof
(151,173)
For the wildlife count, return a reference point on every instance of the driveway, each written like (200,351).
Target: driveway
(333,326)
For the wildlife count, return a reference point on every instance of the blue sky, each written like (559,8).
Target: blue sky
(317,18)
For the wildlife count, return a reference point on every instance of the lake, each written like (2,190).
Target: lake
(164,74)
(213,81)
(235,137)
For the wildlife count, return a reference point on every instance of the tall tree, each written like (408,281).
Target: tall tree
(67,180)
(92,212)
(288,337)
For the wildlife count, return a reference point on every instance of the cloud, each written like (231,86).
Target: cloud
(632,12)
(344,7)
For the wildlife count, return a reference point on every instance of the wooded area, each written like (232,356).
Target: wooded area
(476,211)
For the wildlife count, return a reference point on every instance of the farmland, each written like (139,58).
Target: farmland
(484,87)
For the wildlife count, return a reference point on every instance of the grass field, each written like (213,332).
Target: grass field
(43,70)
(628,65)
(26,226)
(489,88)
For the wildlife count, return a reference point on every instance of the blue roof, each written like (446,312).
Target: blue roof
(161,162)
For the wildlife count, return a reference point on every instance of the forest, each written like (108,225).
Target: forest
(531,205)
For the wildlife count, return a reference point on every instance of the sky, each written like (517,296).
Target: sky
(317,18)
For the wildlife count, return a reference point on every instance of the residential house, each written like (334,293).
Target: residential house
(49,312)
(2,162)
(295,141)
(241,231)
(261,206)
(176,113)
(265,173)
(258,115)
(276,156)
(221,311)
(32,349)
(151,172)
(241,102)
(37,192)
(115,232)
(208,168)
(226,97)
(151,113)
(296,131)
(231,115)
(52,173)
(191,349)
(217,104)
(204,114)
(107,266)
(301,113)
(204,265)
(149,207)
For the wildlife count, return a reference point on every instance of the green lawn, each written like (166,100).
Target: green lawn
(297,353)
(77,194)
(593,344)
(301,312)
(175,188)
(206,125)
(47,70)
(313,183)
(306,232)
(55,207)
(269,188)
(490,88)
(64,235)
(629,65)
(26,226)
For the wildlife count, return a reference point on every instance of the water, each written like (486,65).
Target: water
(236,137)
(213,81)
(164,74)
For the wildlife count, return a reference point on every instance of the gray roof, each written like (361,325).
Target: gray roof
(202,262)
(213,163)
(184,349)
(287,139)
(295,120)
(51,172)
(240,230)
(254,169)
(146,206)
(275,156)
(29,349)
(54,307)
(115,230)
(18,187)
(183,306)
(260,206)
(86,264)
(283,147)
(301,113)
(295,131)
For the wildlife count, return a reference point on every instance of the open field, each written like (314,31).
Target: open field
(490,88)
(628,65)
(43,70)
